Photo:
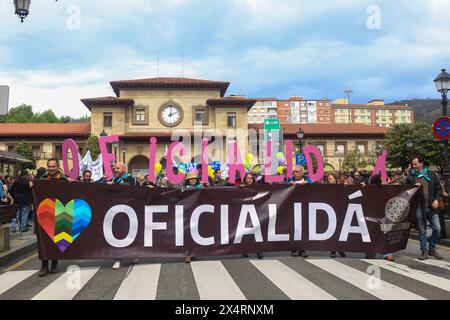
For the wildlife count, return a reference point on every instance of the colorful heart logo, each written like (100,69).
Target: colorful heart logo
(63,224)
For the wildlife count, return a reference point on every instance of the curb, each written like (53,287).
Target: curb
(445,242)
(18,253)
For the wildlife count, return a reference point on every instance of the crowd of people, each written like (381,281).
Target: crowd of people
(434,198)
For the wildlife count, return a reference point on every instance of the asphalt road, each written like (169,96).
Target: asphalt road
(276,277)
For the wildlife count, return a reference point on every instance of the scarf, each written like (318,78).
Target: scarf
(423,175)
(120,179)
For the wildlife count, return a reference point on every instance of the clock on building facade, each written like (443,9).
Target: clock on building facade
(170,114)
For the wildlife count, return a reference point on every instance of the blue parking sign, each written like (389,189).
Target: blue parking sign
(300,159)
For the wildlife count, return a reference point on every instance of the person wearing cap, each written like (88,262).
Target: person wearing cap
(192,181)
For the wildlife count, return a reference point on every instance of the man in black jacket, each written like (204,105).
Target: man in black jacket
(427,209)
(53,173)
(22,195)
(121,176)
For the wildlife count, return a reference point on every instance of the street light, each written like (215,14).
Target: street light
(124,151)
(443,86)
(300,136)
(115,146)
(409,143)
(378,150)
(103,134)
(340,164)
(22,8)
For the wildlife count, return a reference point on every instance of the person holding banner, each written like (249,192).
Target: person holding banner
(299,179)
(53,173)
(332,179)
(122,177)
(192,182)
(427,209)
(249,180)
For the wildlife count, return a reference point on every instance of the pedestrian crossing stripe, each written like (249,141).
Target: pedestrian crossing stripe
(12,278)
(418,275)
(213,281)
(364,281)
(67,285)
(141,283)
(436,263)
(294,285)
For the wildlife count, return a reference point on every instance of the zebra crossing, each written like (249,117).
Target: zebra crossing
(268,279)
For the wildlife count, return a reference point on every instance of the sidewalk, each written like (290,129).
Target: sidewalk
(20,244)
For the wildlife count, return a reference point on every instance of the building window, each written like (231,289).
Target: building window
(11,148)
(362,148)
(321,148)
(340,148)
(231,120)
(107,119)
(36,152)
(58,152)
(200,115)
(140,115)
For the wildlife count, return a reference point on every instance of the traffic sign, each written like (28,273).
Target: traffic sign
(300,159)
(441,128)
(271,124)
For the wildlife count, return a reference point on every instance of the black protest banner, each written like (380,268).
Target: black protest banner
(97,221)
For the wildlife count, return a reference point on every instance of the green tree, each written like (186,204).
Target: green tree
(47,116)
(25,149)
(93,146)
(354,161)
(20,114)
(424,144)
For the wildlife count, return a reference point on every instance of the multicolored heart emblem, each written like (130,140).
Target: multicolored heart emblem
(63,224)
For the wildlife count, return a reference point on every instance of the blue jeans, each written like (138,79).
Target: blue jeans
(22,216)
(433,217)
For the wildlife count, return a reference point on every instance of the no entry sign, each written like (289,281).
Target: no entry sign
(441,128)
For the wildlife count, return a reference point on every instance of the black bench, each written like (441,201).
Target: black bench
(7,213)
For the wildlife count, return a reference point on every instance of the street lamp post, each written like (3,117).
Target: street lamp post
(115,146)
(124,152)
(340,164)
(22,8)
(300,136)
(378,150)
(443,86)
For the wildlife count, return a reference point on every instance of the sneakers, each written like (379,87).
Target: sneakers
(116,265)
(187,260)
(342,254)
(333,255)
(424,256)
(260,255)
(294,253)
(135,261)
(389,258)
(435,254)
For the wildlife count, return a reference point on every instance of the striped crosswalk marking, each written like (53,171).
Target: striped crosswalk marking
(214,282)
(418,275)
(385,290)
(10,279)
(67,285)
(290,282)
(436,263)
(141,283)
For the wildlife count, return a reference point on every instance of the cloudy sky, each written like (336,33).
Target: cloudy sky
(69,50)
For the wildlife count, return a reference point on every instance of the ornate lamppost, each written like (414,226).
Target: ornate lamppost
(443,86)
